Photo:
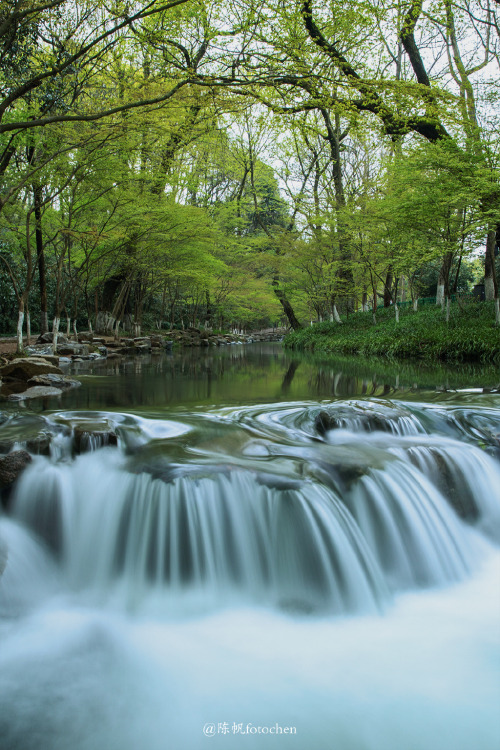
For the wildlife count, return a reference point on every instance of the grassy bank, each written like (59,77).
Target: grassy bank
(469,336)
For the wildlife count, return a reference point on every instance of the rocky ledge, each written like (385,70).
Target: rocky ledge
(25,378)
(198,337)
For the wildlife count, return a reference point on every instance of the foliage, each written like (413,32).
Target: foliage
(468,336)
(198,161)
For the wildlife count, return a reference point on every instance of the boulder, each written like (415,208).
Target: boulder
(85,337)
(71,348)
(38,391)
(89,439)
(48,338)
(54,380)
(52,358)
(12,465)
(24,368)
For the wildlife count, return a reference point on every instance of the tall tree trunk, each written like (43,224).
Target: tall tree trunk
(443,285)
(345,275)
(55,334)
(20,323)
(364,302)
(457,274)
(208,311)
(334,315)
(375,299)
(28,326)
(490,277)
(40,255)
(285,304)
(388,287)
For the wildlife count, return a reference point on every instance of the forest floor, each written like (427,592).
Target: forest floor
(7,346)
(470,334)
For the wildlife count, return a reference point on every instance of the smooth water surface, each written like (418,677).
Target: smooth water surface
(275,553)
(253,374)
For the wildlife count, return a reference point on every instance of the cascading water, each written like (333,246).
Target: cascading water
(325,569)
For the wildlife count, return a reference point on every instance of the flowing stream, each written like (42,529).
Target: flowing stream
(273,568)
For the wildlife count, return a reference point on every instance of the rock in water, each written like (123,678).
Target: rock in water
(52,379)
(12,465)
(25,368)
(38,391)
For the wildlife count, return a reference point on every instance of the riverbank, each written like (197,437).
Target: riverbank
(469,336)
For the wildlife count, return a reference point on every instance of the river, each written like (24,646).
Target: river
(248,548)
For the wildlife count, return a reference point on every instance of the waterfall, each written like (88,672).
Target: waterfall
(29,576)
(221,535)
(326,568)
(239,533)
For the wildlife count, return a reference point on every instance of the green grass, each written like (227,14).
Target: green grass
(469,336)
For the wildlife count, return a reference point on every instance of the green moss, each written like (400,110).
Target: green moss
(469,336)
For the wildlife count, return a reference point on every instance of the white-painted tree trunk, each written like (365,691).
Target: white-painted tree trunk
(365,307)
(440,295)
(448,301)
(415,304)
(117,328)
(55,334)
(68,327)
(374,316)
(20,323)
(402,286)
(110,323)
(336,315)
(396,310)
(489,288)
(497,312)
(90,327)
(28,328)
(75,330)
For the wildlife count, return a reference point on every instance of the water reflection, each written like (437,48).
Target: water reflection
(255,373)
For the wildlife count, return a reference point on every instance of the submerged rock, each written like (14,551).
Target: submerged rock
(53,379)
(359,419)
(38,391)
(86,439)
(27,430)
